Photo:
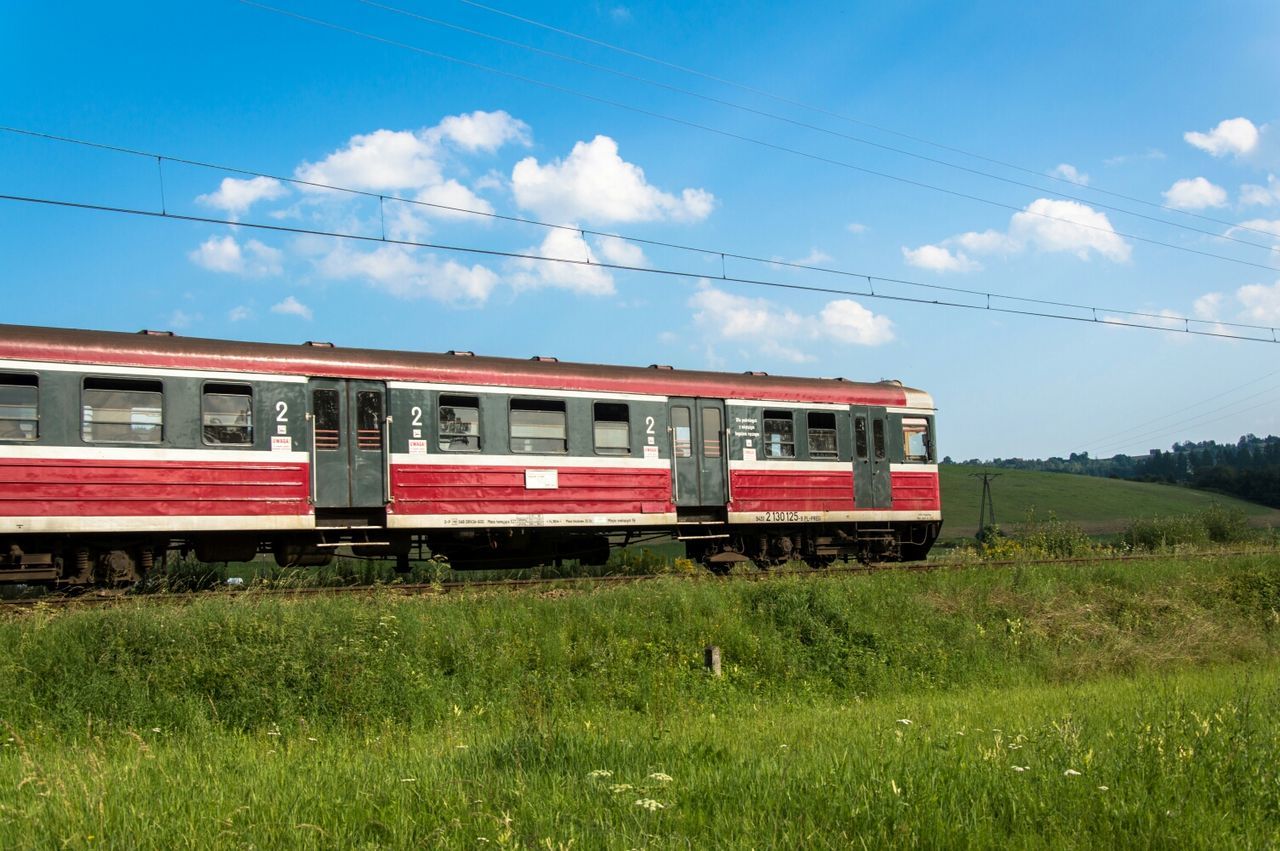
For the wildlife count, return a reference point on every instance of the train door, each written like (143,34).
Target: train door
(348,443)
(697,452)
(872,487)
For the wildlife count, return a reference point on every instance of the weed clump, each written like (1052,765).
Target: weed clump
(1214,525)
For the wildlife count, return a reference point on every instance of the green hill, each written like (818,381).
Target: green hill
(1098,505)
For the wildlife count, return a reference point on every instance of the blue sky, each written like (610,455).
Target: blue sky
(1131,97)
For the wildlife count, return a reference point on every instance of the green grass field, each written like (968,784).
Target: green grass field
(1097,505)
(1105,705)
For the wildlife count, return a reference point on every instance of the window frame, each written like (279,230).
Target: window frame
(338,445)
(879,438)
(611,451)
(35,382)
(563,410)
(834,431)
(127,380)
(928,443)
(204,391)
(479,432)
(790,416)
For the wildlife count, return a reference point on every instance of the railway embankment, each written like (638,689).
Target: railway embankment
(1069,704)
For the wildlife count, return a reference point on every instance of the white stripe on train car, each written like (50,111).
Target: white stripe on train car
(868,516)
(774,403)
(792,466)
(533,462)
(523,391)
(470,521)
(36,452)
(162,524)
(913,412)
(144,371)
(913,468)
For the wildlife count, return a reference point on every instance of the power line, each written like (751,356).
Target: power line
(1164,319)
(1175,429)
(743,138)
(826,130)
(622,267)
(847,118)
(1108,439)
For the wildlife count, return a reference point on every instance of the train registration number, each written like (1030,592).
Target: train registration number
(787,517)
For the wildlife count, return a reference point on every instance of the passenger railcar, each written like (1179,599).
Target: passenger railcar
(116,449)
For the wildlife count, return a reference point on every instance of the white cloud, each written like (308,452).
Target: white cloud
(577,277)
(292,307)
(616,250)
(381,161)
(1208,306)
(856,227)
(1045,225)
(482,131)
(815,257)
(239,313)
(407,272)
(1232,136)
(782,332)
(1251,194)
(1195,193)
(236,196)
(181,319)
(1069,172)
(1261,302)
(1051,225)
(595,184)
(987,242)
(224,254)
(1148,154)
(1268,227)
(937,258)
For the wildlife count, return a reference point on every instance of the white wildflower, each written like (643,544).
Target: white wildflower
(650,804)
(660,777)
(461,747)
(1070,772)
(906,722)
(312,739)
(1021,768)
(155,729)
(619,788)
(408,780)
(1103,788)
(893,784)
(600,773)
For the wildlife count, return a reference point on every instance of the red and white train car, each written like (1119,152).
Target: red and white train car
(116,448)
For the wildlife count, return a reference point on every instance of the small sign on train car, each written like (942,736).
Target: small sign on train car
(281,444)
(541,480)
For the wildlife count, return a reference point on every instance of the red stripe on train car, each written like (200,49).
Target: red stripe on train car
(31,487)
(916,492)
(431,489)
(786,490)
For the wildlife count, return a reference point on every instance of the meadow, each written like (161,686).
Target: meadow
(1066,706)
(1097,505)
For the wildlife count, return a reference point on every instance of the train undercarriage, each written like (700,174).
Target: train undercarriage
(121,561)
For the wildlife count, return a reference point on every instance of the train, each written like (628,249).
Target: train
(118,450)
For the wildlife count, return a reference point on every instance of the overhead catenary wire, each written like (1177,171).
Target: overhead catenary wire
(375,4)
(623,267)
(1199,422)
(773,96)
(1163,318)
(1110,438)
(744,138)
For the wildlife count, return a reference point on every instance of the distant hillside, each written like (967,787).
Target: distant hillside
(1098,505)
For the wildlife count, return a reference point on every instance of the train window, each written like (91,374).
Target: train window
(779,434)
(19,407)
(122,411)
(877,434)
(612,429)
(226,415)
(538,426)
(368,419)
(328,420)
(822,436)
(860,437)
(681,432)
(460,423)
(915,439)
(711,437)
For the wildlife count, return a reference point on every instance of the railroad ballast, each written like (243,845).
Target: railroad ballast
(118,449)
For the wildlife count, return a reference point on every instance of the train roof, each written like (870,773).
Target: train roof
(165,351)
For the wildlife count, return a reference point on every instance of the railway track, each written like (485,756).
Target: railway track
(98,598)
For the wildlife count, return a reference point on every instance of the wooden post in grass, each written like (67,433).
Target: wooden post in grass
(711,658)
